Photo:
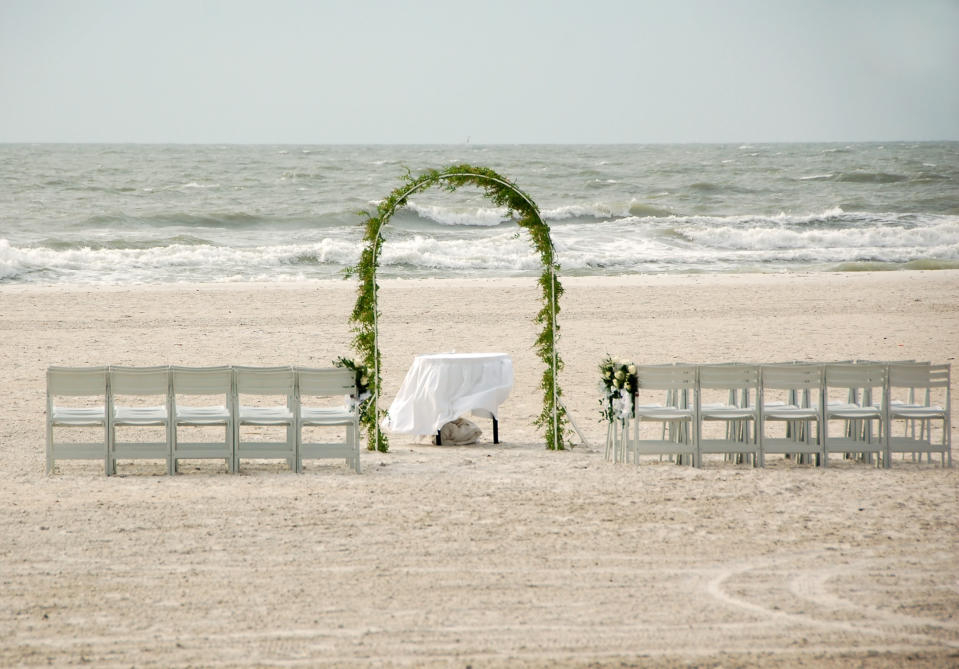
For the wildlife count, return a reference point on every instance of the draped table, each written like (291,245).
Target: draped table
(440,387)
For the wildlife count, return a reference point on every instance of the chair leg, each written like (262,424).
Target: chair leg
(109,448)
(355,437)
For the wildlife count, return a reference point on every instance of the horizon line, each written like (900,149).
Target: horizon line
(473,144)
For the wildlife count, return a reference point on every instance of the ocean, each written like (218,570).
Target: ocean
(154,214)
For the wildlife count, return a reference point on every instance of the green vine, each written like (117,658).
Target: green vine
(524,211)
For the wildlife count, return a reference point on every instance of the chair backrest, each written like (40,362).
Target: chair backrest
(264,380)
(729,376)
(76,381)
(666,377)
(139,380)
(202,380)
(855,375)
(918,375)
(330,381)
(792,376)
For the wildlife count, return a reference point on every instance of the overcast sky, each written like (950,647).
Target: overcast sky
(493,71)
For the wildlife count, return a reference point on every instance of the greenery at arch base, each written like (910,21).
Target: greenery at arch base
(524,211)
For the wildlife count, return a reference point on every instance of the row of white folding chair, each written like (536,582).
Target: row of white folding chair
(109,386)
(296,416)
(806,405)
(880,396)
(927,379)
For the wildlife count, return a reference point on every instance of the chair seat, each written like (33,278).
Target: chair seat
(77,416)
(853,412)
(790,412)
(727,413)
(209,415)
(660,412)
(325,416)
(266,415)
(914,411)
(156,415)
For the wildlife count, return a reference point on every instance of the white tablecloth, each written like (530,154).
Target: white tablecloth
(441,387)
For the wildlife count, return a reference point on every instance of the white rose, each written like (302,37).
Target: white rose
(631,369)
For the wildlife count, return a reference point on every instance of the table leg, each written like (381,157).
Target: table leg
(495,431)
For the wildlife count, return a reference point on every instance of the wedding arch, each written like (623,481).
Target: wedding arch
(365,316)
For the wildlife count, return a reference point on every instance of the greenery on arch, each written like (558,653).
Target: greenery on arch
(503,193)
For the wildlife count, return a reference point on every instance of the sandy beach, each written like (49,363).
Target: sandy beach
(485,555)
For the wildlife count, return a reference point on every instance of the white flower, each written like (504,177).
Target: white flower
(631,369)
(608,374)
(364,380)
(618,383)
(620,376)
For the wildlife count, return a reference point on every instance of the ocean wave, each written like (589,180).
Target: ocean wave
(119,243)
(931,177)
(476,216)
(168,263)
(639,209)
(216,220)
(595,210)
(193,185)
(599,184)
(870,177)
(643,245)
(834,216)
(491,217)
(501,252)
(706,187)
(605,211)
(710,188)
(944,236)
(170,218)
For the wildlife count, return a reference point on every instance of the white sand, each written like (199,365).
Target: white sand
(504,555)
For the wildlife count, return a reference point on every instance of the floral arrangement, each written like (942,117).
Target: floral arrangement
(362,381)
(618,385)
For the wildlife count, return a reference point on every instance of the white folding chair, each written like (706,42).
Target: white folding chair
(212,387)
(861,413)
(927,379)
(791,395)
(315,385)
(261,385)
(738,416)
(678,438)
(140,398)
(90,384)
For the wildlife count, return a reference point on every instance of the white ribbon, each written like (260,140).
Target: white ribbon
(623,405)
